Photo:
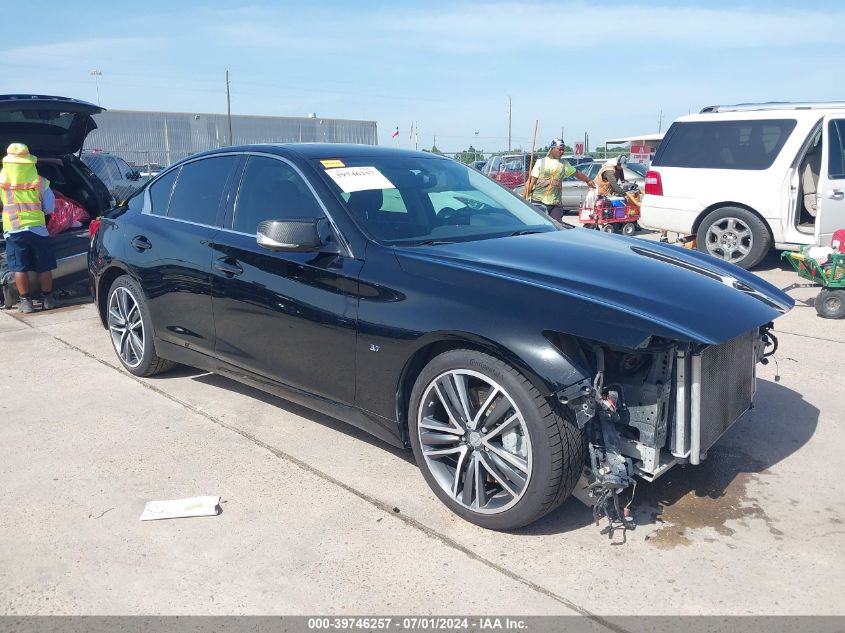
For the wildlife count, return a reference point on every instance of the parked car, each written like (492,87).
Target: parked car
(478,164)
(121,179)
(409,295)
(54,129)
(577,160)
(574,191)
(746,178)
(509,170)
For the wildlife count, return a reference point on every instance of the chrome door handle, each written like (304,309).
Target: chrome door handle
(228,266)
(835,194)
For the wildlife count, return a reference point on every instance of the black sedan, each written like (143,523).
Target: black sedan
(407,294)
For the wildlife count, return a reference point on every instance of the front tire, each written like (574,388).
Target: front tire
(489,444)
(131,331)
(734,235)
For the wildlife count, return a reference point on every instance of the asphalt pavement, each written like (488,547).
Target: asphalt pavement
(318,517)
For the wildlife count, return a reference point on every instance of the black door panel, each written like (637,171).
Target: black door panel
(290,316)
(175,273)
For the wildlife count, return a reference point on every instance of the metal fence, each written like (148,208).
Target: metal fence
(162,138)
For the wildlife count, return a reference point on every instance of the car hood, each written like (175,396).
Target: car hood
(611,288)
(48,125)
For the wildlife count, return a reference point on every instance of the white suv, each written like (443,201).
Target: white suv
(749,177)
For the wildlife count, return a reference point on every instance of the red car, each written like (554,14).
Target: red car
(509,170)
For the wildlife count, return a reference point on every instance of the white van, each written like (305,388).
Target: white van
(750,177)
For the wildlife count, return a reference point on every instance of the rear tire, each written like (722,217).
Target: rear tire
(734,235)
(830,304)
(608,228)
(469,408)
(629,228)
(131,331)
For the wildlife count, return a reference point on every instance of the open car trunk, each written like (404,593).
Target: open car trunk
(71,177)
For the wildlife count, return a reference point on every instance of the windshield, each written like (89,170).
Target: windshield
(410,200)
(638,169)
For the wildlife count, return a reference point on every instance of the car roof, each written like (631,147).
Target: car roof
(754,115)
(325,150)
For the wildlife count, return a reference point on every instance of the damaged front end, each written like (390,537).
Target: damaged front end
(662,404)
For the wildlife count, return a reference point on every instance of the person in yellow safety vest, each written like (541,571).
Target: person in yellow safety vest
(26,199)
(545,183)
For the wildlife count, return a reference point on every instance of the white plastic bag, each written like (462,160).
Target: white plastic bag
(590,200)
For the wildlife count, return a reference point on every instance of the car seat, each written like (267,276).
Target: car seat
(810,170)
(364,204)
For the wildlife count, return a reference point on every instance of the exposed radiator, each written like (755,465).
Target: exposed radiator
(714,388)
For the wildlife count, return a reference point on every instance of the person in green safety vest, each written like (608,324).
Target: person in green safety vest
(545,182)
(26,199)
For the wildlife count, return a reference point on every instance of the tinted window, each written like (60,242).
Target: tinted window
(272,190)
(639,170)
(112,168)
(123,167)
(96,164)
(836,160)
(196,197)
(160,192)
(724,144)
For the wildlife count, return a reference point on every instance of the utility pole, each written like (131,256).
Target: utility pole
(96,74)
(510,112)
(416,135)
(228,107)
(660,122)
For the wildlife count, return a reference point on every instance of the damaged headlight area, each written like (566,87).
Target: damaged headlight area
(651,408)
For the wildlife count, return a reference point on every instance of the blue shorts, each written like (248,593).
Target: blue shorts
(28,252)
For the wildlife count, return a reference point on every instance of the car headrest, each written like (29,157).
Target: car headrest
(363,202)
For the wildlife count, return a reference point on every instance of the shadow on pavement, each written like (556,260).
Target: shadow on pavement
(222,382)
(773,261)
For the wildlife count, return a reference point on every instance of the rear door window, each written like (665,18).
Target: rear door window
(160,192)
(123,167)
(112,169)
(199,190)
(724,144)
(96,164)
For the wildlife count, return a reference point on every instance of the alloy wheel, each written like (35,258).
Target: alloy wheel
(126,327)
(729,239)
(475,441)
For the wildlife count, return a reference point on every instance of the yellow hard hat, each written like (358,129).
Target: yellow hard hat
(19,153)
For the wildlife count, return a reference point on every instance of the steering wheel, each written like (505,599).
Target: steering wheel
(449,215)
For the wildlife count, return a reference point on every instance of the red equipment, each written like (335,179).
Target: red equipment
(612,215)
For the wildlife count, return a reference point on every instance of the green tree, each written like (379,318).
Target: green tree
(434,150)
(468,155)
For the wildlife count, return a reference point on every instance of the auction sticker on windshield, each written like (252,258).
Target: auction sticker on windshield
(352,179)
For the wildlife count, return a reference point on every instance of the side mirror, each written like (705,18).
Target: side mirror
(133,175)
(297,235)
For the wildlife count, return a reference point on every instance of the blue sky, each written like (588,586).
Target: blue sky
(451,66)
